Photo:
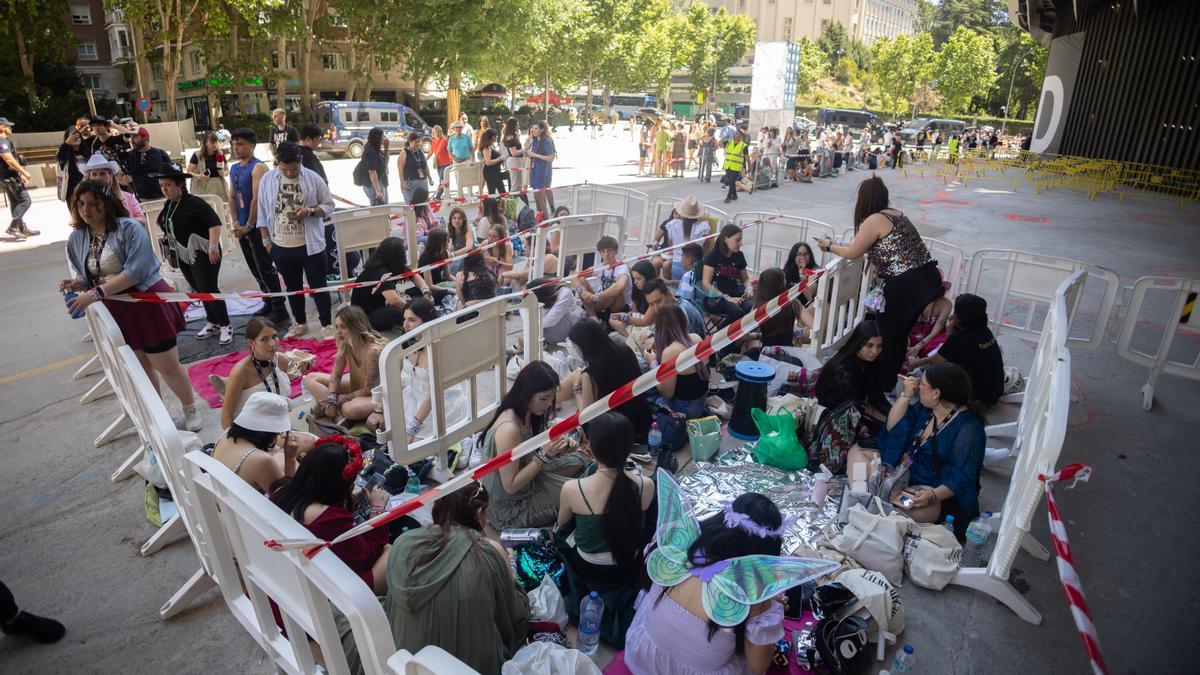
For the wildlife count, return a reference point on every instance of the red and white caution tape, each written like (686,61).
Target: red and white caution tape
(1072,585)
(685,360)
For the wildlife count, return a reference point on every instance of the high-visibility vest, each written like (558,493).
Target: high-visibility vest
(735,155)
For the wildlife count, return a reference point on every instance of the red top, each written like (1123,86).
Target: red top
(359,553)
(441,151)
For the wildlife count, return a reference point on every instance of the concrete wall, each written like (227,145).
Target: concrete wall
(173,137)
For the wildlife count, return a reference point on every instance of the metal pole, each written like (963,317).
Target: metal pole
(1012,79)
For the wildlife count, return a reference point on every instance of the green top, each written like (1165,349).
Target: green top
(465,600)
(589,529)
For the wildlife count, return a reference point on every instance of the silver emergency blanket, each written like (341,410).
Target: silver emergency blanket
(734,472)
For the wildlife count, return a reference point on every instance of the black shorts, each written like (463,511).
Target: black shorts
(164,346)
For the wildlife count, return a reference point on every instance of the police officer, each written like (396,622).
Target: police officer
(15,179)
(735,159)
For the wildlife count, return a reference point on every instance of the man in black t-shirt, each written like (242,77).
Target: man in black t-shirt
(971,345)
(143,165)
(310,140)
(281,131)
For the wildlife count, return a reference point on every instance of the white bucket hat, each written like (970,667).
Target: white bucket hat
(688,207)
(266,412)
(99,161)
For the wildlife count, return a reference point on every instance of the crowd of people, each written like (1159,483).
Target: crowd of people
(909,385)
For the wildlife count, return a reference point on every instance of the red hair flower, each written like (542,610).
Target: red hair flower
(355,462)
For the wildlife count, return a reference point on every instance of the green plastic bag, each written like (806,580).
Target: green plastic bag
(778,445)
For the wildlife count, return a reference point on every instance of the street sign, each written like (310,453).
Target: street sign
(144,104)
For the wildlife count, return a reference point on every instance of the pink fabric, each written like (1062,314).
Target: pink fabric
(617,665)
(324,350)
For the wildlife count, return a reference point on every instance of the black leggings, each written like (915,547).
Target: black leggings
(202,276)
(386,317)
(905,296)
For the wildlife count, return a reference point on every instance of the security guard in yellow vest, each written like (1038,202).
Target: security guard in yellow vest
(735,159)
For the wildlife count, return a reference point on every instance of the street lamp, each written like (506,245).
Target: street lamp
(1011,79)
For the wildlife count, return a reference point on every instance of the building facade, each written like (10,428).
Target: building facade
(787,20)
(102,50)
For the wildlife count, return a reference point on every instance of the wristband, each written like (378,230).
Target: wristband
(413,427)
(376,509)
(541,456)
(99,292)
(213,246)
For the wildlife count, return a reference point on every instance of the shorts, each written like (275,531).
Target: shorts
(642,151)
(692,145)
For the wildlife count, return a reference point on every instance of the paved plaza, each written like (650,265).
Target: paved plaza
(70,538)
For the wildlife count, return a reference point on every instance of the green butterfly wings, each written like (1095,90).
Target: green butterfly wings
(730,586)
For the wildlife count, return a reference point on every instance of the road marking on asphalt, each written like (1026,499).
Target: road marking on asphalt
(46,367)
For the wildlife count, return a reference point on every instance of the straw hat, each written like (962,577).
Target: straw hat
(265,412)
(688,207)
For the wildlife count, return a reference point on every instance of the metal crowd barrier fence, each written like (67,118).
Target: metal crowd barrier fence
(1180,299)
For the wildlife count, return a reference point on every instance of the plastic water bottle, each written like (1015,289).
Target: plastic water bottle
(978,533)
(904,661)
(654,439)
(949,524)
(591,611)
(414,483)
(67,299)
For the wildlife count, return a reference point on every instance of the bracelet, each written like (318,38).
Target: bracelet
(413,427)
(99,292)
(213,246)
(541,456)
(577,388)
(377,509)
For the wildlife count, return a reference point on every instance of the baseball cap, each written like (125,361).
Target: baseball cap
(5,122)
(266,412)
(143,132)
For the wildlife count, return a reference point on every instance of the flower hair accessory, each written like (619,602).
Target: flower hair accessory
(355,463)
(744,522)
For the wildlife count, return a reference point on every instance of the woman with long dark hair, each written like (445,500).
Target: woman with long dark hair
(855,407)
(413,168)
(511,150)
(779,330)
(437,249)
(607,513)
(319,498)
(801,263)
(462,237)
(422,214)
(492,160)
(525,492)
(384,306)
(937,423)
(724,281)
(451,586)
(673,631)
(685,392)
(642,313)
(541,150)
(373,168)
(902,263)
(608,365)
(474,282)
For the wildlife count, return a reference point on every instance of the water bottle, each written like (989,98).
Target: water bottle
(591,611)
(654,439)
(904,661)
(414,483)
(67,299)
(949,525)
(978,533)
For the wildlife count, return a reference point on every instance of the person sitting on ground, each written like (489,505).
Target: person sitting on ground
(849,375)
(658,295)
(724,285)
(382,303)
(608,365)
(499,257)
(628,323)
(673,631)
(490,214)
(319,498)
(929,332)
(525,492)
(603,528)
(685,392)
(616,287)
(802,263)
(462,237)
(263,369)
(779,330)
(938,424)
(436,250)
(343,394)
(561,308)
(970,344)
(418,403)
(690,257)
(474,282)
(451,586)
(260,445)
(422,214)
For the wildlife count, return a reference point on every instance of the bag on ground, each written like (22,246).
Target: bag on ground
(704,435)
(778,445)
(931,555)
(875,541)
(546,603)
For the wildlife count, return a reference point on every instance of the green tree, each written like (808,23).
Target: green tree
(899,66)
(812,66)
(941,19)
(33,31)
(966,68)
(834,43)
(1021,62)
(710,42)
(160,27)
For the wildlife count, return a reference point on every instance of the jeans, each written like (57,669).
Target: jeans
(729,311)
(706,165)
(202,276)
(732,176)
(18,197)
(408,187)
(373,198)
(294,265)
(260,264)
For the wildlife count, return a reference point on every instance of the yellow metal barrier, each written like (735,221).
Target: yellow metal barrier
(1162,182)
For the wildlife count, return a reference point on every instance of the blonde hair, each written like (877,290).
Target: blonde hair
(358,326)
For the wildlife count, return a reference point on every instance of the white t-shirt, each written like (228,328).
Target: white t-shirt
(675,234)
(288,233)
(609,276)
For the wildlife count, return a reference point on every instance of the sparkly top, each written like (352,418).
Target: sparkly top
(900,250)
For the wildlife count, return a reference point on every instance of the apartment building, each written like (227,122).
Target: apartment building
(102,50)
(786,20)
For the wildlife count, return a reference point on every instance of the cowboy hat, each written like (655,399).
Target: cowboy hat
(99,162)
(170,171)
(688,207)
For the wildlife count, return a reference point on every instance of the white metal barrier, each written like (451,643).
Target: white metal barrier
(951,261)
(1043,427)
(632,204)
(768,243)
(107,336)
(577,237)
(1019,286)
(363,229)
(837,304)
(464,179)
(306,591)
(462,349)
(1180,300)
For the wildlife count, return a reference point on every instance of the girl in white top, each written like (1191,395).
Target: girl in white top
(263,369)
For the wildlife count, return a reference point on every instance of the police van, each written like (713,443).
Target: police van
(347,123)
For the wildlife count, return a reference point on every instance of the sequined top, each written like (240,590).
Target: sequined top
(900,250)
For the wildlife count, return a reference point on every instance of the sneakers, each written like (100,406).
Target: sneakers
(209,330)
(226,335)
(993,456)
(328,333)
(191,418)
(45,631)
(25,229)
(296,330)
(15,232)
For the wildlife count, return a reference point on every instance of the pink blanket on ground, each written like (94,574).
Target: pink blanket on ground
(324,350)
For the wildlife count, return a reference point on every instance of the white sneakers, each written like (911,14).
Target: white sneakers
(191,418)
(211,329)
(226,335)
(296,330)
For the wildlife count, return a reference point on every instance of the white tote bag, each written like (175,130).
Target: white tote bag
(931,556)
(875,541)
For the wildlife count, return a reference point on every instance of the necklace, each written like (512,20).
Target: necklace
(265,371)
